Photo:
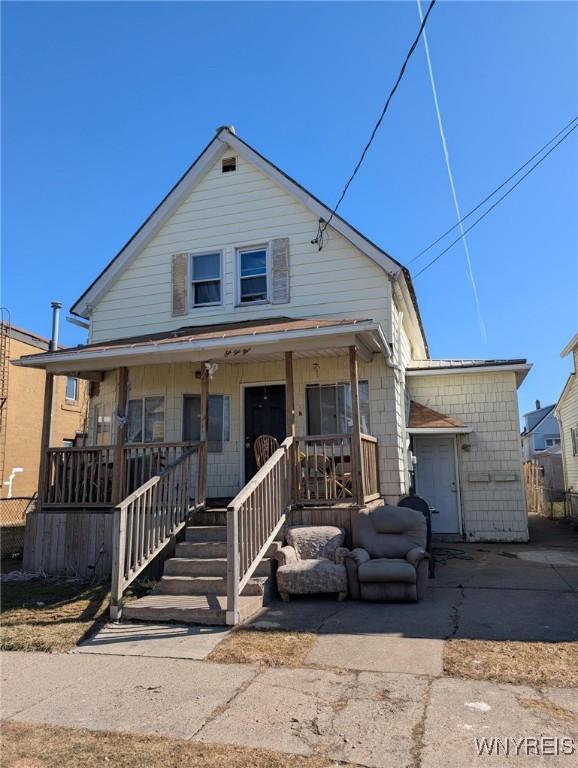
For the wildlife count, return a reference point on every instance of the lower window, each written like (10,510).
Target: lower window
(219,418)
(146,420)
(100,427)
(329,408)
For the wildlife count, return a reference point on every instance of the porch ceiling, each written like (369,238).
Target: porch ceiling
(233,343)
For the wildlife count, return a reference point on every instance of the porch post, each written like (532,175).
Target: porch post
(290,428)
(202,461)
(356,468)
(121,412)
(45,439)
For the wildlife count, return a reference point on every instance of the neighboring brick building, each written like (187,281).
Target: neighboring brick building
(21,424)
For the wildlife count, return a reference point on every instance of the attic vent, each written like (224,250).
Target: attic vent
(229,164)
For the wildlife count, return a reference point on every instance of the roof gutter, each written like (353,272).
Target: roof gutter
(205,345)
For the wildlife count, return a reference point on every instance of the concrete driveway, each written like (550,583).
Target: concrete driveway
(526,592)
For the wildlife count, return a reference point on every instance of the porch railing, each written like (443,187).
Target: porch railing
(370,467)
(78,477)
(144,460)
(253,519)
(323,469)
(147,519)
(83,477)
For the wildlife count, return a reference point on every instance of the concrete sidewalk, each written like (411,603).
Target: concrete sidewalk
(373,719)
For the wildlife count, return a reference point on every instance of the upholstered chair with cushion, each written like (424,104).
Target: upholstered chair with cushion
(389,561)
(312,561)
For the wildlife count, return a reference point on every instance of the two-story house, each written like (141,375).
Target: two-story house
(567,415)
(221,322)
(541,432)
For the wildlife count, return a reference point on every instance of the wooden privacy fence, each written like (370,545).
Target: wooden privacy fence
(253,519)
(148,518)
(536,492)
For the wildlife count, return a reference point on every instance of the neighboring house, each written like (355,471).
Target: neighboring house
(567,415)
(22,411)
(220,321)
(541,432)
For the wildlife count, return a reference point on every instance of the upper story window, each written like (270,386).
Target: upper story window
(253,274)
(552,442)
(206,279)
(71,389)
(229,164)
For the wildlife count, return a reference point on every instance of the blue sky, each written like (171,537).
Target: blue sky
(105,104)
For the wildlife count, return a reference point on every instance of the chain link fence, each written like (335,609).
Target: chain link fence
(12,523)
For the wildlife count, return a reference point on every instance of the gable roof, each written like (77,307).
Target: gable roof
(571,381)
(549,411)
(226,138)
(570,346)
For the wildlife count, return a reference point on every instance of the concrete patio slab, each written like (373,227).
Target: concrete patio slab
(166,641)
(365,718)
(459,711)
(512,614)
(432,617)
(378,654)
(499,568)
(166,697)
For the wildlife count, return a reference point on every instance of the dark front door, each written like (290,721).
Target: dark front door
(264,415)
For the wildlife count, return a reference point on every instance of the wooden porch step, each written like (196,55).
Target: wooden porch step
(214,566)
(188,609)
(208,585)
(212,549)
(205,533)
(209,517)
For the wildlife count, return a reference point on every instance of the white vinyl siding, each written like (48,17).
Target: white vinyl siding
(568,417)
(493,508)
(226,212)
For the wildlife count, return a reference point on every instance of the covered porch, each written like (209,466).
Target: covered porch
(213,392)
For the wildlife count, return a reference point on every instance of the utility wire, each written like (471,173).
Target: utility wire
(469,267)
(498,201)
(496,190)
(318,240)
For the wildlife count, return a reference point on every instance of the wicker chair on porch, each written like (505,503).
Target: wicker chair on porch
(264,447)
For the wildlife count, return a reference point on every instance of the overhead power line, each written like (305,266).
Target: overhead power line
(318,239)
(494,192)
(498,201)
(469,266)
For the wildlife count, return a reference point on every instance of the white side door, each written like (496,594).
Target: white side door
(436,482)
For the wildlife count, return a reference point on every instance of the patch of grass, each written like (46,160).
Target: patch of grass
(548,708)
(49,616)
(539,664)
(33,746)
(272,647)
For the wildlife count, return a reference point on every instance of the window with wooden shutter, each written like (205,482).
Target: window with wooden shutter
(280,270)
(179,284)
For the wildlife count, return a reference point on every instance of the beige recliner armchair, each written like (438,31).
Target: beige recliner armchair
(389,561)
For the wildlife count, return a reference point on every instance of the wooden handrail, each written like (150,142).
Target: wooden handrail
(147,519)
(254,518)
